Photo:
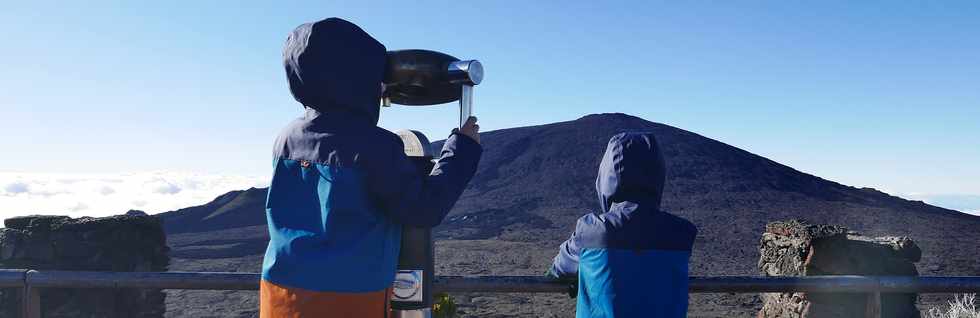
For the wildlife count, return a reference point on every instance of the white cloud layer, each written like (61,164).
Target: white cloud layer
(968,203)
(154,192)
(107,194)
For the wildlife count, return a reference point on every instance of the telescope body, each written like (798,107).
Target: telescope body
(423,77)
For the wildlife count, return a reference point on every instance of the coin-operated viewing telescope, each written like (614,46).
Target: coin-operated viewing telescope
(420,78)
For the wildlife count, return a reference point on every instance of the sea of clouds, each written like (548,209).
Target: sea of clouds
(968,203)
(107,194)
(160,191)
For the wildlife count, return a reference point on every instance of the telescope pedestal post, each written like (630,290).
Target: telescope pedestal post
(412,289)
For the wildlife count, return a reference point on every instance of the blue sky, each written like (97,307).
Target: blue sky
(873,93)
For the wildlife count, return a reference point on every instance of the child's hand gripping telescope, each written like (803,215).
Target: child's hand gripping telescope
(422,77)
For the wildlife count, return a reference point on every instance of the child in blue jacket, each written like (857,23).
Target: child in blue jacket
(631,259)
(342,187)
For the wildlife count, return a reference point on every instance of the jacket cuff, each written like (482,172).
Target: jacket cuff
(463,144)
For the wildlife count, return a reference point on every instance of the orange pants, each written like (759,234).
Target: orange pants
(284,302)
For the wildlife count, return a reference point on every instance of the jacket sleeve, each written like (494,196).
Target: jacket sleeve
(565,264)
(411,198)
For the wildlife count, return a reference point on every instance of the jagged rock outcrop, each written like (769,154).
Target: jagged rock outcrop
(125,243)
(797,248)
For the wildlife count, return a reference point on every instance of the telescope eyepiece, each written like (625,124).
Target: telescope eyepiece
(469,72)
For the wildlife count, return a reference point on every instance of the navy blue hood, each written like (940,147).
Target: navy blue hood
(335,67)
(632,170)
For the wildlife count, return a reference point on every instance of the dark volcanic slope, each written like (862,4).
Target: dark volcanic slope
(533,183)
(230,210)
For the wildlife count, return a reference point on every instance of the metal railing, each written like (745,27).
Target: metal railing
(29,281)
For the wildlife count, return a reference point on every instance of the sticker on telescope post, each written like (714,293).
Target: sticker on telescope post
(408,286)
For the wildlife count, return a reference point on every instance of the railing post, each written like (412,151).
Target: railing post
(873,309)
(31,299)
(34,303)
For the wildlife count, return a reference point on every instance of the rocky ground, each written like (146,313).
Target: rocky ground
(460,257)
(477,257)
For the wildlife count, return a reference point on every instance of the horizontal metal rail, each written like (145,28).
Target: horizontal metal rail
(732,284)
(499,284)
(12,278)
(30,281)
(152,280)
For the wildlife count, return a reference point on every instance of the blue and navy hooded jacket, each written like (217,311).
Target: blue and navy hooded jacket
(631,259)
(342,187)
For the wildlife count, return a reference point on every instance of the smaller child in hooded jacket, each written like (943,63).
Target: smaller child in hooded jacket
(342,187)
(631,259)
